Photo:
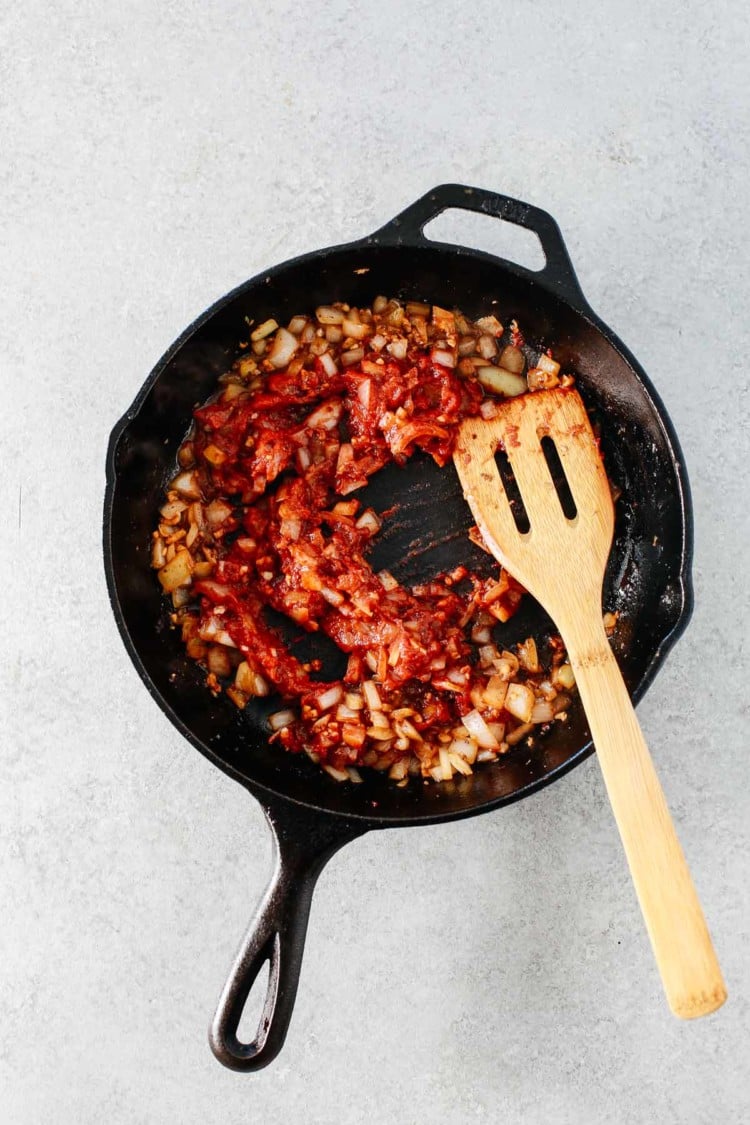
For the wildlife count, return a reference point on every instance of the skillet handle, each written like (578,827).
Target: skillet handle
(558,273)
(303,843)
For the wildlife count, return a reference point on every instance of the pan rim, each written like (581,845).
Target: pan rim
(268,795)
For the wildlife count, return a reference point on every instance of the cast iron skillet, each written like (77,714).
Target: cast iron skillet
(648,581)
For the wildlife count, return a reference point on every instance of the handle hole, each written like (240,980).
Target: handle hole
(512,491)
(252,1011)
(485,232)
(559,479)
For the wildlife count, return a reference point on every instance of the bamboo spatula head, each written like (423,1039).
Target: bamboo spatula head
(561,558)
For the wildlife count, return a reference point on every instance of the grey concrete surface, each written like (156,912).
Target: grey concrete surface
(152,157)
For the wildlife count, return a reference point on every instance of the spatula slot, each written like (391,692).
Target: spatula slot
(512,491)
(560,481)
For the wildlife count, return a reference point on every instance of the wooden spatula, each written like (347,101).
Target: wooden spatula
(561,562)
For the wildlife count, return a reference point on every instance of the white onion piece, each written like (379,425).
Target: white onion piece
(512,359)
(564,677)
(187,485)
(354,330)
(283,348)
(336,774)
(481,635)
(291,528)
(495,692)
(369,521)
(397,348)
(364,393)
(456,676)
(490,324)
(387,581)
(297,324)
(547,364)
(326,314)
(372,695)
(443,357)
(543,712)
(330,697)
(520,701)
(498,730)
(465,747)
(487,347)
(263,330)
(501,382)
(378,342)
(326,417)
(354,355)
(328,363)
(281,719)
(479,731)
(346,714)
(217,512)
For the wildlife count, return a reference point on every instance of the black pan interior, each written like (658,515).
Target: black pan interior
(647,576)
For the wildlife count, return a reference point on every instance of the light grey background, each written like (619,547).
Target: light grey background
(151,158)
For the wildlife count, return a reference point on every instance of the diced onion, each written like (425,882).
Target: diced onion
(543,712)
(564,677)
(397,348)
(465,747)
(547,364)
(501,382)
(487,347)
(490,324)
(495,692)
(354,355)
(479,730)
(328,363)
(369,521)
(326,314)
(178,572)
(330,697)
(291,528)
(283,348)
(281,719)
(387,581)
(263,330)
(457,676)
(443,357)
(187,485)
(528,657)
(336,774)
(519,701)
(326,417)
(354,330)
(372,695)
(218,512)
(513,359)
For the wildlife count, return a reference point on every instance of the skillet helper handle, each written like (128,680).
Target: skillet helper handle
(558,273)
(676,926)
(303,844)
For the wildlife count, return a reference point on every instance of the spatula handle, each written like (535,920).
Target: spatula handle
(679,936)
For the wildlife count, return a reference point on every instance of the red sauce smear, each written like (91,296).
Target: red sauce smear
(300,544)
